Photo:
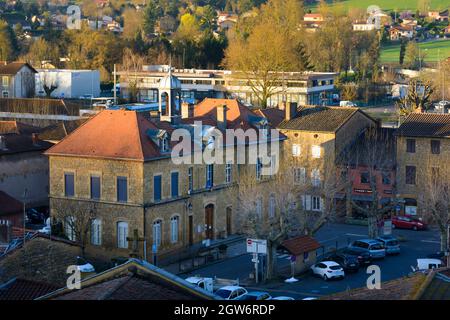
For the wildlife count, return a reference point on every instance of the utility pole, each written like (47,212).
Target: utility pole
(115,85)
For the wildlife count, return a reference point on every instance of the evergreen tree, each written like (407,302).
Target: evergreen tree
(402,52)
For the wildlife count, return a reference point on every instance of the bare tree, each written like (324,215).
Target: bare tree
(436,200)
(76,218)
(48,84)
(417,99)
(288,214)
(132,64)
(373,155)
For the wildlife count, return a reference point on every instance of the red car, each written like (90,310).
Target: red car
(408,222)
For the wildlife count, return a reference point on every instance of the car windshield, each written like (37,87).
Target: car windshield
(223,293)
(335,267)
(376,247)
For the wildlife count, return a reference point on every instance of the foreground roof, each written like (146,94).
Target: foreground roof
(133,280)
(13,67)
(17,127)
(425,125)
(324,119)
(22,289)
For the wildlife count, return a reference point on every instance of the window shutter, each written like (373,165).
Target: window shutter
(321,205)
(157,188)
(308,203)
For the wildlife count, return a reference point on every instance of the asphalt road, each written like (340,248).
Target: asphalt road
(418,244)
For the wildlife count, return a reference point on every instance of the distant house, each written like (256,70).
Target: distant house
(316,17)
(438,15)
(399,32)
(17,80)
(226,21)
(447,30)
(303,250)
(363,26)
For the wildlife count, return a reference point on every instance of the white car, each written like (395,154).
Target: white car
(46,230)
(328,270)
(282,298)
(83,266)
(231,292)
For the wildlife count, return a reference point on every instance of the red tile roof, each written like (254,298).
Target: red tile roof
(14,67)
(111,134)
(236,111)
(9,205)
(300,245)
(21,289)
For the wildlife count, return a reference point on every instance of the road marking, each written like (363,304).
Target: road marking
(430,241)
(356,235)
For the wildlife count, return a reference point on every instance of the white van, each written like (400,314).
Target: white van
(427,264)
(345,103)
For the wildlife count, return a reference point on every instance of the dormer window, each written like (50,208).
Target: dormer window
(164,143)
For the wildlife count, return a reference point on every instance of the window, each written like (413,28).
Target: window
(122,235)
(410,145)
(209,175)
(174,184)
(365,177)
(96,232)
(306,202)
(316,204)
(69,187)
(315,177)
(157,232)
(228,172)
(122,189)
(435,147)
(315,151)
(410,175)
(259,208)
(165,143)
(5,81)
(69,228)
(190,179)
(174,229)
(299,175)
(258,168)
(296,150)
(95,187)
(386,177)
(157,188)
(272,206)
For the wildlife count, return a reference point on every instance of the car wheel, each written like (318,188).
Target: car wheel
(415,228)
(325,277)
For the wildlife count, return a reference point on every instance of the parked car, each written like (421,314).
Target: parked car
(371,246)
(348,262)
(255,295)
(34,216)
(408,222)
(282,298)
(390,244)
(231,292)
(344,103)
(45,230)
(328,270)
(363,257)
(83,266)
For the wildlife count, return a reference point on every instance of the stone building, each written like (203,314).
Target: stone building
(423,150)
(120,163)
(316,136)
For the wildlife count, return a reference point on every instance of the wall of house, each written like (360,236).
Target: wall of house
(27,170)
(24,83)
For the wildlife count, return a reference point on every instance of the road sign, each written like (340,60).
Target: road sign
(257,246)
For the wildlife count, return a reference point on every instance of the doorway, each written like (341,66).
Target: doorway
(229,221)
(191,230)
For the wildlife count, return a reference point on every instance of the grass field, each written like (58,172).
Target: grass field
(433,50)
(388,5)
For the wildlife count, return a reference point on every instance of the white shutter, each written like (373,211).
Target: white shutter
(321,205)
(308,202)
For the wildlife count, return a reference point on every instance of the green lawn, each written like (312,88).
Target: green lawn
(389,5)
(432,49)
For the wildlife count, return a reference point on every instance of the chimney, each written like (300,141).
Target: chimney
(222,117)
(187,110)
(290,110)
(35,139)
(2,143)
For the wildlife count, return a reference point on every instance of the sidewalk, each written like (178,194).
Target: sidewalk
(236,247)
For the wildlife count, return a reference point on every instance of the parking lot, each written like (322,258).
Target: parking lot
(417,244)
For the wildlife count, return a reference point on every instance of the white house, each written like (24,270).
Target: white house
(68,83)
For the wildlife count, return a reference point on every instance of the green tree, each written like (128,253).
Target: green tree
(402,52)
(151,15)
(41,50)
(8,42)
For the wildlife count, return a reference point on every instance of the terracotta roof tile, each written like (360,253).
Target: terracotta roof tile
(13,67)
(425,125)
(301,244)
(17,143)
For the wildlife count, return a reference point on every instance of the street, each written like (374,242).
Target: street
(417,244)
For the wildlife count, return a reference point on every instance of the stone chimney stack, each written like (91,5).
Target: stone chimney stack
(187,110)
(290,110)
(222,117)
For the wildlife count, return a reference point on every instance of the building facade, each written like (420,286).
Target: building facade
(17,80)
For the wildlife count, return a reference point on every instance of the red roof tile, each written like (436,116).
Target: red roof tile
(301,244)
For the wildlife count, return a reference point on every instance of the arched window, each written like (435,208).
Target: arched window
(69,228)
(96,232)
(122,234)
(174,228)
(272,206)
(157,232)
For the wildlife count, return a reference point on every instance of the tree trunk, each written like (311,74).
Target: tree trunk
(372,226)
(444,241)
(271,266)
